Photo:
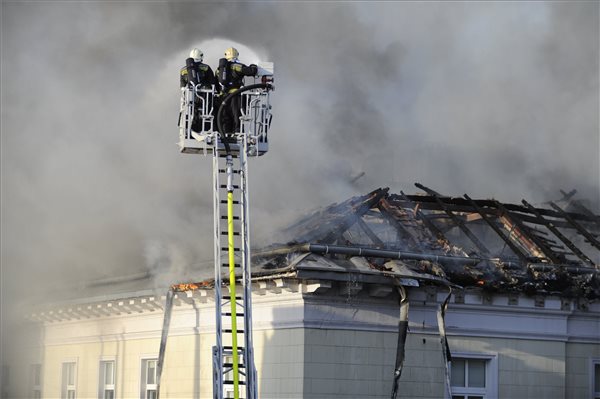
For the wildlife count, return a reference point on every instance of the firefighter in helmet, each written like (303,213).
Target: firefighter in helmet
(230,75)
(193,73)
(196,72)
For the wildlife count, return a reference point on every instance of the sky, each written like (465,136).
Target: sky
(494,99)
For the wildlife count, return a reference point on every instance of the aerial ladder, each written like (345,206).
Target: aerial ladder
(234,373)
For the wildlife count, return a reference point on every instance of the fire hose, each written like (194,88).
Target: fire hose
(266,86)
(233,302)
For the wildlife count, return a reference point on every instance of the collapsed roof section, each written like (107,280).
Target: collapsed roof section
(459,241)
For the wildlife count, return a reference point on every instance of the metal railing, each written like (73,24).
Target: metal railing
(196,102)
(256,115)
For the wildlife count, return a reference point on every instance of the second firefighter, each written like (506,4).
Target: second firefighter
(230,75)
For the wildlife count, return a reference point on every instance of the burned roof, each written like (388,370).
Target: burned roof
(383,238)
(552,250)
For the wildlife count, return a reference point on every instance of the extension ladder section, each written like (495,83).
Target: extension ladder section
(234,373)
(233,360)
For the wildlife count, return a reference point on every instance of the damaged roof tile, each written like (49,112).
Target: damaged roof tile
(512,247)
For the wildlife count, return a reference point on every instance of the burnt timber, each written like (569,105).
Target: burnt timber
(454,241)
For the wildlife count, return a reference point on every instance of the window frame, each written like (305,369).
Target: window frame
(102,386)
(144,386)
(36,386)
(490,391)
(593,363)
(65,387)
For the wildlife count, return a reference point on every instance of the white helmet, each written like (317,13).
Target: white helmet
(231,54)
(197,55)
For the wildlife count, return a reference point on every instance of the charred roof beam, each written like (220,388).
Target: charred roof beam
(459,223)
(426,221)
(372,236)
(328,225)
(592,240)
(460,204)
(515,248)
(567,197)
(431,192)
(558,234)
(585,211)
(349,220)
(532,242)
(393,218)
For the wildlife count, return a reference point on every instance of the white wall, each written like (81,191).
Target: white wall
(330,345)
(348,363)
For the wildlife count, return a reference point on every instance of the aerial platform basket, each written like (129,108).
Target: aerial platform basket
(198,132)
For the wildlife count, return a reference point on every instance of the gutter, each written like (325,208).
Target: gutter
(324,249)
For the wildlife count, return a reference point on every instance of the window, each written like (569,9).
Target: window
(595,378)
(148,389)
(107,380)
(4,380)
(474,376)
(36,381)
(69,379)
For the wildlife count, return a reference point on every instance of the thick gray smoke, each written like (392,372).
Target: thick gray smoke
(495,100)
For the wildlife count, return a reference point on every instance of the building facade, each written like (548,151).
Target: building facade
(317,339)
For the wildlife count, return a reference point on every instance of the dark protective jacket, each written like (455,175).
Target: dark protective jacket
(196,72)
(231,74)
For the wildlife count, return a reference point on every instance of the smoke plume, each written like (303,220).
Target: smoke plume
(491,99)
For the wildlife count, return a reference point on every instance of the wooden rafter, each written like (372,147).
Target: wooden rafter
(457,221)
(515,248)
(393,216)
(592,240)
(426,221)
(550,226)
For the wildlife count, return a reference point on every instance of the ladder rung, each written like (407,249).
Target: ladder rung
(227,249)
(225,171)
(227,265)
(225,233)
(228,297)
(234,218)
(234,186)
(241,365)
(229,314)
(230,382)
(234,201)
(225,155)
(230,348)
(228,330)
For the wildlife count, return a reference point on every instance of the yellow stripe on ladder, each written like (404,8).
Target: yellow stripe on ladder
(234,347)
